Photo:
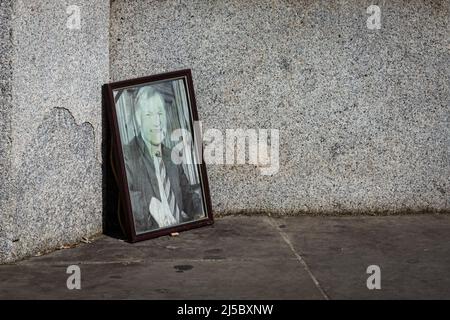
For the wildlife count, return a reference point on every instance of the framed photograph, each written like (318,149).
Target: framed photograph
(161,177)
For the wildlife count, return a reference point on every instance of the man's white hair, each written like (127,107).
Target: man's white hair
(146,94)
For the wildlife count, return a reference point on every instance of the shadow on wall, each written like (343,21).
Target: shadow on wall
(110,192)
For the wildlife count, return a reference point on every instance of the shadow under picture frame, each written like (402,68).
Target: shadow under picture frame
(157,164)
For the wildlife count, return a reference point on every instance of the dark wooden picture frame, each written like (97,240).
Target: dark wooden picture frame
(135,85)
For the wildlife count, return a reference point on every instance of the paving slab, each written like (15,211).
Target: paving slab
(413,253)
(252,258)
(237,258)
(181,279)
(229,238)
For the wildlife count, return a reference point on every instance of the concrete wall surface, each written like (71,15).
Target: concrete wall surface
(362,112)
(52,72)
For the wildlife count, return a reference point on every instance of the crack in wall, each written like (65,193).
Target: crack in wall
(94,148)
(64,177)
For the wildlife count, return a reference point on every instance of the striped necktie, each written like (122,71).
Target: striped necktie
(170,196)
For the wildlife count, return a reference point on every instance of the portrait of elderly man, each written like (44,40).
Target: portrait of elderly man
(160,192)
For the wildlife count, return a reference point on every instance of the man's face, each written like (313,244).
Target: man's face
(153,120)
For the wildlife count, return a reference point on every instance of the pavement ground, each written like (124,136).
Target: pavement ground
(256,257)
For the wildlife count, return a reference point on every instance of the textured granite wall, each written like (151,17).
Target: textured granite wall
(5,126)
(51,116)
(363,114)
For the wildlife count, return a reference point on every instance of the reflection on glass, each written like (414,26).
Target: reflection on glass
(162,192)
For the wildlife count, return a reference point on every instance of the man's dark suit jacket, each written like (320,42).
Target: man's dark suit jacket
(143,185)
